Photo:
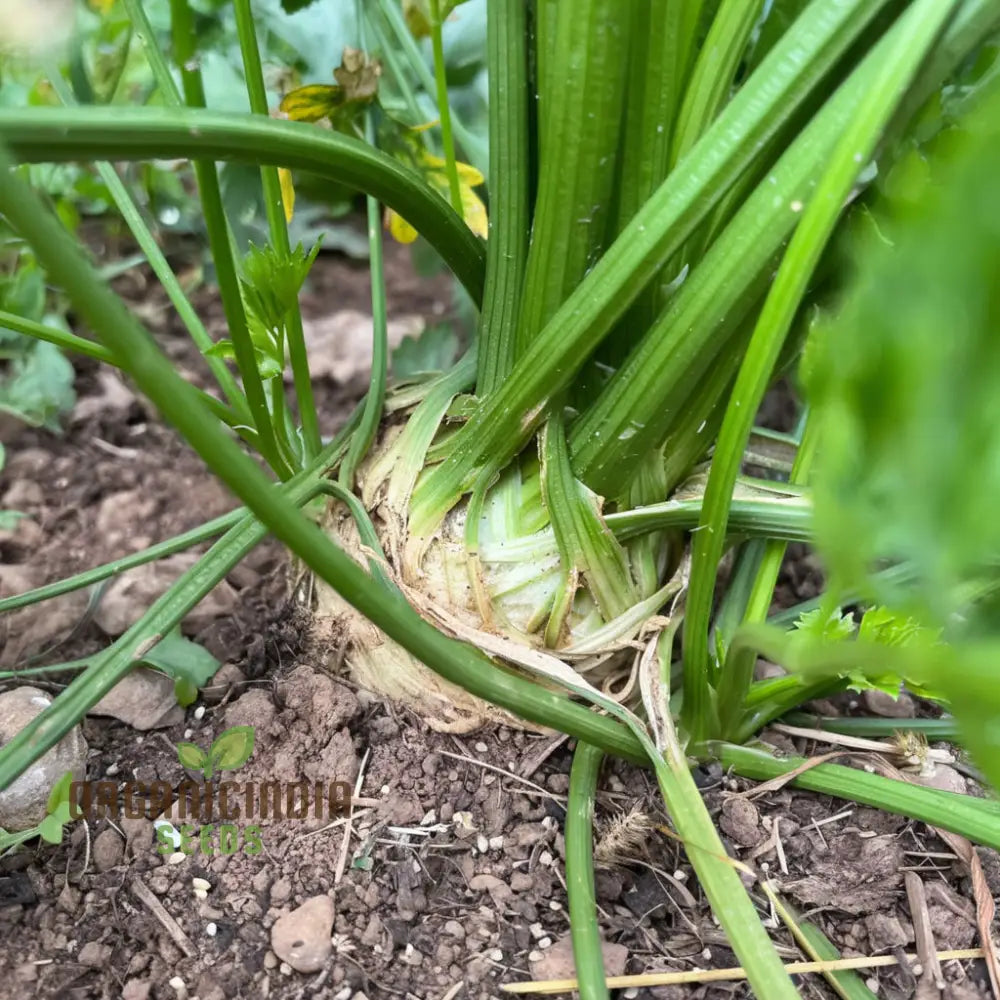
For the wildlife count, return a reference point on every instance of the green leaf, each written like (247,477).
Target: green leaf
(60,793)
(906,384)
(185,692)
(191,756)
(51,828)
(232,749)
(831,628)
(38,386)
(433,350)
(182,659)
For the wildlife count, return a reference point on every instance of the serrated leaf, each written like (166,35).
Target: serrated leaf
(831,628)
(906,389)
(191,756)
(232,749)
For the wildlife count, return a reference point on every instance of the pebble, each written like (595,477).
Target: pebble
(270,960)
(482,844)
(94,955)
(454,928)
(211,929)
(201,883)
(23,802)
(176,858)
(108,850)
(302,938)
(557,961)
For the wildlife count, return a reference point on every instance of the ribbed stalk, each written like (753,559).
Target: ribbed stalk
(912,37)
(507,247)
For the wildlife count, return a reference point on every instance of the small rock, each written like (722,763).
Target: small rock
(94,955)
(880,703)
(108,850)
(113,398)
(227,677)
(741,821)
(142,699)
(944,777)
(280,892)
(557,962)
(137,989)
(131,594)
(22,804)
(521,882)
(454,928)
(499,891)
(885,932)
(138,833)
(26,972)
(302,938)
(23,493)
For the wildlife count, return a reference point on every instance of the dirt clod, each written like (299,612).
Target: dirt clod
(302,938)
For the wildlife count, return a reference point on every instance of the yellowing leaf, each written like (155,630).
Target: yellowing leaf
(287,192)
(474,212)
(102,7)
(313,102)
(467,173)
(400,230)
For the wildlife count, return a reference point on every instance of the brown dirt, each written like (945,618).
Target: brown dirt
(452,882)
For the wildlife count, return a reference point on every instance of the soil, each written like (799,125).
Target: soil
(449,880)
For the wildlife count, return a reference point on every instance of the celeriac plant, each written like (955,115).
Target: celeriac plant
(541,528)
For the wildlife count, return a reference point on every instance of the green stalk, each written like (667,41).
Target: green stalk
(507,247)
(661,47)
(444,111)
(586,936)
(933,729)
(582,94)
(737,669)
(151,47)
(217,229)
(375,398)
(161,268)
(714,71)
(278,230)
(503,422)
(125,133)
(179,543)
(53,335)
(916,33)
(962,814)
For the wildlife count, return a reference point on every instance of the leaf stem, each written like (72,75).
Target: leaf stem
(444,111)
(586,936)
(278,231)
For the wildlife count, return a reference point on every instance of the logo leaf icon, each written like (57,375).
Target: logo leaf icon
(231,749)
(191,756)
